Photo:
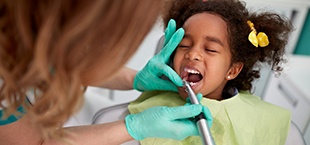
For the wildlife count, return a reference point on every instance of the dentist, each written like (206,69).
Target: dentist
(53,49)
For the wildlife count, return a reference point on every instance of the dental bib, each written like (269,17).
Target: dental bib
(243,119)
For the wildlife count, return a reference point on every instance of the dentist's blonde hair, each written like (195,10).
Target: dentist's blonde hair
(58,46)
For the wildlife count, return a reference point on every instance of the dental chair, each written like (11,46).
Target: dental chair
(295,136)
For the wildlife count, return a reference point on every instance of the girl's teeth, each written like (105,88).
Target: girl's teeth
(192,83)
(191,71)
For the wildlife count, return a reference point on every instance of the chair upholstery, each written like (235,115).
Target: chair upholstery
(295,137)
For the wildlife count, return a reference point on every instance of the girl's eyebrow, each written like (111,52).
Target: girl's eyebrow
(214,39)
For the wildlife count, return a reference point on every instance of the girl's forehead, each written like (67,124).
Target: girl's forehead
(206,20)
(206,25)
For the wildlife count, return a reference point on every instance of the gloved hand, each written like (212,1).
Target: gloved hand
(149,78)
(164,122)
(205,109)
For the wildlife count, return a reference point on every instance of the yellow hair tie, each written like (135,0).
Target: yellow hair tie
(260,39)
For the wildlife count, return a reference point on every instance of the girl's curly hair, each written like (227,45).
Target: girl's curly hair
(236,15)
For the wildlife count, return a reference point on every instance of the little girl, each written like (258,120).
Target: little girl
(220,54)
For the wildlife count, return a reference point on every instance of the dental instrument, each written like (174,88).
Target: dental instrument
(201,121)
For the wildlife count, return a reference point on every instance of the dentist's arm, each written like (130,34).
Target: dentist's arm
(160,122)
(123,80)
(24,132)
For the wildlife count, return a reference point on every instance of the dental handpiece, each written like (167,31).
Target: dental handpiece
(201,121)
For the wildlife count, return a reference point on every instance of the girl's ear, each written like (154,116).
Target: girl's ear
(234,70)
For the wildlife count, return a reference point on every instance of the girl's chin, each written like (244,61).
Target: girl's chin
(182,93)
(184,97)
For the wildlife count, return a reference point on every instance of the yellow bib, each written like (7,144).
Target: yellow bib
(241,120)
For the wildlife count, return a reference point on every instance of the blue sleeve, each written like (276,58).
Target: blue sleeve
(11,118)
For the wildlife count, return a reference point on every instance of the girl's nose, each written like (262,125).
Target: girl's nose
(193,54)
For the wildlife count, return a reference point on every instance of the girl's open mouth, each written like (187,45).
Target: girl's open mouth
(191,75)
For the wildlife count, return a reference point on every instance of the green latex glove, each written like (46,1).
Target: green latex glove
(205,109)
(164,122)
(149,78)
